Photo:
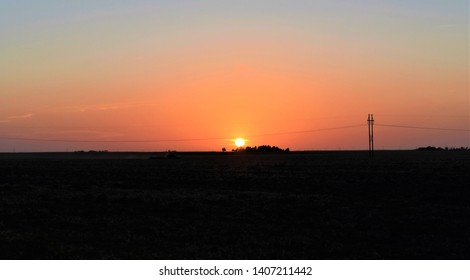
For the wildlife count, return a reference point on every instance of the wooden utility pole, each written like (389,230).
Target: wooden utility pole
(370,124)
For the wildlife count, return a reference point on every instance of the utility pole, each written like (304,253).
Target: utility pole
(370,125)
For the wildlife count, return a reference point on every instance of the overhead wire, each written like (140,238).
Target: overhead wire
(227,138)
(173,140)
(109,141)
(422,127)
(307,131)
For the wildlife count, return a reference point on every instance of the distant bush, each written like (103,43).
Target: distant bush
(171,154)
(264,149)
(432,148)
(92,151)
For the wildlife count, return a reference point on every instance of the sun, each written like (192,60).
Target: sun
(239,142)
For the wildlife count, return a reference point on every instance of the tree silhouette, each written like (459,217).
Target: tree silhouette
(263,149)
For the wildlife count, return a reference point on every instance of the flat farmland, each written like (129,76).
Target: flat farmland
(298,205)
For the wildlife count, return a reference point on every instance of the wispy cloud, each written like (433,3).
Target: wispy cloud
(102,107)
(79,133)
(98,107)
(16,117)
(109,107)
(26,116)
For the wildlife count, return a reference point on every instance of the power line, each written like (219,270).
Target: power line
(108,141)
(422,127)
(9,126)
(173,140)
(306,131)
(423,115)
(225,138)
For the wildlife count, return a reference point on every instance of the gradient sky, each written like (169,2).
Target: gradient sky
(216,70)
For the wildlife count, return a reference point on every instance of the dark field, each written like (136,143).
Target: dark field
(319,205)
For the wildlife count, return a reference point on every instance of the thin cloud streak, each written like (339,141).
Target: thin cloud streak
(83,135)
(98,107)
(16,117)
(26,116)
(90,133)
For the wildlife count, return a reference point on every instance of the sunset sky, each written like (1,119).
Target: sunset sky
(207,72)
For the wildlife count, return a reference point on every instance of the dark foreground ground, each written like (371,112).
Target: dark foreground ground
(321,205)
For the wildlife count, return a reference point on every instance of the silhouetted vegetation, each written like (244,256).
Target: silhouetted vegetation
(171,154)
(92,151)
(263,149)
(432,148)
